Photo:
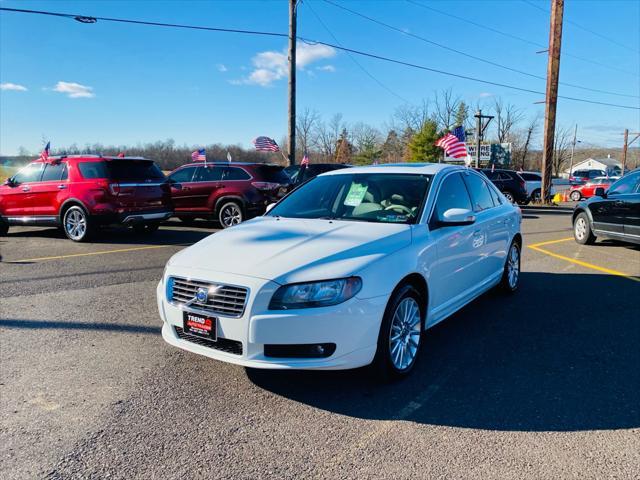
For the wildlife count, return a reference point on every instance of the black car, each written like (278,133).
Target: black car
(301,173)
(612,214)
(510,183)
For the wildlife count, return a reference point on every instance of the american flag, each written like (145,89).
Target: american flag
(266,144)
(44,156)
(453,143)
(305,159)
(199,155)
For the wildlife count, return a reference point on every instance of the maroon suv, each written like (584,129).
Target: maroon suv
(226,192)
(82,192)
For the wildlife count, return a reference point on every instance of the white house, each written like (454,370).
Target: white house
(611,166)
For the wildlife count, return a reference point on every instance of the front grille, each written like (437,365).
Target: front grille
(226,300)
(222,344)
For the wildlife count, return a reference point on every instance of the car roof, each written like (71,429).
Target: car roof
(226,164)
(416,168)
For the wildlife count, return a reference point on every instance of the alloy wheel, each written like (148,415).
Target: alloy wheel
(509,197)
(580,228)
(230,215)
(404,339)
(75,224)
(575,196)
(513,266)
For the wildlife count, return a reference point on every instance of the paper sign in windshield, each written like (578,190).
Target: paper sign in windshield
(355,195)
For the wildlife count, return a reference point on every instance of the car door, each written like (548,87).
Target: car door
(17,197)
(632,220)
(206,183)
(181,183)
(456,269)
(491,222)
(47,192)
(609,214)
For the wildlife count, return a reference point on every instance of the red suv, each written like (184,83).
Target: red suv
(226,192)
(81,192)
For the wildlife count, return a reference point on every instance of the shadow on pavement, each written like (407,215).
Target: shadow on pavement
(562,354)
(53,325)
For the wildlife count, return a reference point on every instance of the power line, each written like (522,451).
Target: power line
(592,32)
(369,74)
(314,42)
(474,57)
(516,37)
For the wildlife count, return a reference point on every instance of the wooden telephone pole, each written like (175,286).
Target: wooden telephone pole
(291,145)
(553,72)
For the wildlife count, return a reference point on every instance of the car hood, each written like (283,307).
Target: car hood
(294,250)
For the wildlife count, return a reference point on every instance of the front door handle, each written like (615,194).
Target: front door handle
(62,186)
(26,189)
(477,232)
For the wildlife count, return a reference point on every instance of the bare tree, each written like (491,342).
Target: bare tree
(328,135)
(306,123)
(446,108)
(364,137)
(521,141)
(561,149)
(506,118)
(410,117)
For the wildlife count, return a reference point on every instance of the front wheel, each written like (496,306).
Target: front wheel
(575,196)
(511,274)
(582,230)
(230,214)
(400,335)
(76,224)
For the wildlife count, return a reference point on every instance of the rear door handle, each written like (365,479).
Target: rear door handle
(26,189)
(62,186)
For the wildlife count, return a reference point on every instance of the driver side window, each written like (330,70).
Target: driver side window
(30,173)
(453,194)
(625,185)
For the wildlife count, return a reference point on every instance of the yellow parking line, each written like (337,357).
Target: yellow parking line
(104,252)
(536,247)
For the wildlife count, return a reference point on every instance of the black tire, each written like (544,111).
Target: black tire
(576,196)
(511,274)
(535,195)
(230,213)
(4,228)
(146,228)
(509,196)
(73,216)
(582,230)
(384,367)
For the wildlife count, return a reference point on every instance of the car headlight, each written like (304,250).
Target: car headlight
(315,294)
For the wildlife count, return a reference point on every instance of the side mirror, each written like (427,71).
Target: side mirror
(600,192)
(9,182)
(270,207)
(174,184)
(456,217)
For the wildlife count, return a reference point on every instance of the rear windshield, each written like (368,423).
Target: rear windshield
(271,173)
(132,170)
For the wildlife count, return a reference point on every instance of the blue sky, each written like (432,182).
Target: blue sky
(125,84)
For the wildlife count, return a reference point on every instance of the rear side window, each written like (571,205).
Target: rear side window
(234,173)
(625,185)
(453,194)
(93,170)
(134,170)
(53,172)
(208,174)
(480,194)
(183,175)
(531,177)
(30,173)
(271,173)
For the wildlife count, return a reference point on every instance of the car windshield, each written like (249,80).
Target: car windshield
(365,197)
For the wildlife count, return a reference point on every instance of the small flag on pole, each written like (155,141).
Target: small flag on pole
(266,144)
(305,159)
(493,167)
(121,155)
(44,155)
(453,143)
(199,155)
(228,157)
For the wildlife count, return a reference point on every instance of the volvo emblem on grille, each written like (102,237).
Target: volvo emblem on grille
(202,295)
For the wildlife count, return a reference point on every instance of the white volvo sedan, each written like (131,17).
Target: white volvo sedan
(347,270)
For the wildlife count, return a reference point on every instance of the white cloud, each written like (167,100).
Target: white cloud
(12,86)
(74,90)
(271,65)
(486,94)
(221,67)
(327,68)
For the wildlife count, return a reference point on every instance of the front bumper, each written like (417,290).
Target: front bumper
(352,326)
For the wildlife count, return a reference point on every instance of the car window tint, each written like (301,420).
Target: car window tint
(453,194)
(93,170)
(30,173)
(530,177)
(479,190)
(182,175)
(235,173)
(208,174)
(625,185)
(53,172)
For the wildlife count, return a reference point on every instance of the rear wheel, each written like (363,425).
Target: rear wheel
(230,214)
(575,196)
(146,228)
(400,335)
(535,196)
(76,224)
(509,196)
(582,230)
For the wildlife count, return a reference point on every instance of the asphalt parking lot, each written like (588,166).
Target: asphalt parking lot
(541,384)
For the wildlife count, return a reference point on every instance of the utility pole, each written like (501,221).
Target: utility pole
(573,147)
(553,72)
(481,126)
(626,147)
(291,146)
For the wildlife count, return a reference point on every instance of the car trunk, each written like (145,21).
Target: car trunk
(138,185)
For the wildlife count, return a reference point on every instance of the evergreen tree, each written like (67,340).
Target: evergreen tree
(422,147)
(462,115)
(344,149)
